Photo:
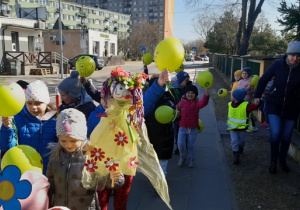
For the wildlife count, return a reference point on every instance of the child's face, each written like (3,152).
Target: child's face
(237,77)
(65,98)
(69,143)
(245,75)
(183,83)
(190,95)
(36,108)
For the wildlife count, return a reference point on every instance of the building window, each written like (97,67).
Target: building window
(52,15)
(66,6)
(43,2)
(71,17)
(66,17)
(51,3)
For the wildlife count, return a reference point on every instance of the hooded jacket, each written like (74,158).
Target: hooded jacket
(85,104)
(284,95)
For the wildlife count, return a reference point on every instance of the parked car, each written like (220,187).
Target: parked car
(98,60)
(204,57)
(198,58)
(189,58)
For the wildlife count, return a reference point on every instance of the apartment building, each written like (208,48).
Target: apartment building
(74,15)
(156,11)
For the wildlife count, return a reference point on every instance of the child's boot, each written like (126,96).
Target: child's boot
(273,166)
(181,161)
(236,158)
(191,163)
(241,148)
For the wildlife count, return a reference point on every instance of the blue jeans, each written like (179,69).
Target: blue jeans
(237,138)
(189,134)
(280,135)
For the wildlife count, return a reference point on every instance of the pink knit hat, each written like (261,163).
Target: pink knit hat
(37,91)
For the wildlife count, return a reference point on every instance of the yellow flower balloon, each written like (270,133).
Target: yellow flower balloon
(85,65)
(12,99)
(222,92)
(169,54)
(205,79)
(26,158)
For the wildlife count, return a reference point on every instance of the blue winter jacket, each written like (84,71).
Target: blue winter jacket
(284,95)
(150,97)
(32,132)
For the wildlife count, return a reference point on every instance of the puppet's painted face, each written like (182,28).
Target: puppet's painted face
(120,92)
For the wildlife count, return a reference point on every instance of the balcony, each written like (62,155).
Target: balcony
(81,14)
(129,22)
(106,28)
(116,28)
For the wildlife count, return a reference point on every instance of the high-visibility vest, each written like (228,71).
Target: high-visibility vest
(237,117)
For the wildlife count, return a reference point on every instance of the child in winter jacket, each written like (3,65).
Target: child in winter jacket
(189,107)
(34,125)
(238,121)
(237,77)
(73,95)
(67,161)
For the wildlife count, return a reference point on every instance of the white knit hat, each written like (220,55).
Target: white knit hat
(37,91)
(71,122)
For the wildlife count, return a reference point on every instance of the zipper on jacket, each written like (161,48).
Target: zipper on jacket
(273,91)
(67,178)
(284,97)
(41,139)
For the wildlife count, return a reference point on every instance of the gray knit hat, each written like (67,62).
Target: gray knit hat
(71,85)
(293,48)
(71,122)
(37,91)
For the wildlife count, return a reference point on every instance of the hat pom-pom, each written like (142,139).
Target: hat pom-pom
(74,74)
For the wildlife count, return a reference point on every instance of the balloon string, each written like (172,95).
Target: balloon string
(175,91)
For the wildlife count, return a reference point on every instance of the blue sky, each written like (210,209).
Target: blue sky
(183,24)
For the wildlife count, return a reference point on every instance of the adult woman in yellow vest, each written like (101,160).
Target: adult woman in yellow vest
(238,115)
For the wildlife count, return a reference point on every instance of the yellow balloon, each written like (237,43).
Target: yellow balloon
(164,114)
(254,80)
(200,126)
(205,79)
(25,157)
(85,65)
(222,92)
(147,58)
(181,68)
(169,54)
(12,99)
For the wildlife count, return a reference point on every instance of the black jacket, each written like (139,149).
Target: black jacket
(284,95)
(161,136)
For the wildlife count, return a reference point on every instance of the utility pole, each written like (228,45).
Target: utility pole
(60,42)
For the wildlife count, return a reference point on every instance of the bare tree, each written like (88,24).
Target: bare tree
(144,34)
(249,14)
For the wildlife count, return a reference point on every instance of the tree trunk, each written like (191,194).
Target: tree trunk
(244,33)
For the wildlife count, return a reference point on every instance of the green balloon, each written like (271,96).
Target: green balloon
(164,114)
(147,58)
(25,157)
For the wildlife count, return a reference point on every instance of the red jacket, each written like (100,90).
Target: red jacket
(189,111)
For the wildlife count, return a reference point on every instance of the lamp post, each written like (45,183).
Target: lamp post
(60,42)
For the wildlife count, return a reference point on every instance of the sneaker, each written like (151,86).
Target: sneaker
(264,124)
(253,130)
(181,162)
(191,163)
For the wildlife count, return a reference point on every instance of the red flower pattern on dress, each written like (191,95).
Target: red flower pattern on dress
(97,154)
(121,138)
(90,165)
(131,164)
(111,164)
